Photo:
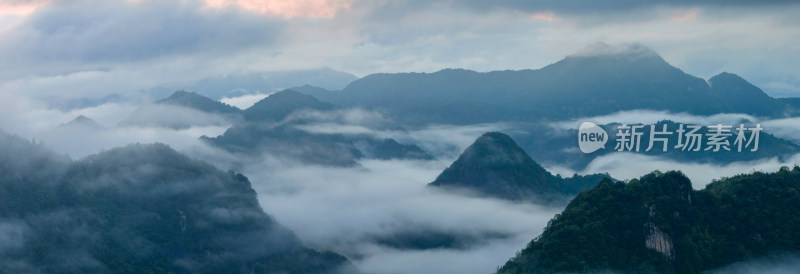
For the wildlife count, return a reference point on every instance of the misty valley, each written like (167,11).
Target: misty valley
(454,171)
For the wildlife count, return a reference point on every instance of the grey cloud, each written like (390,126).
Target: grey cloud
(82,142)
(394,10)
(440,140)
(479,260)
(588,6)
(99,32)
(354,116)
(78,140)
(344,209)
(627,165)
(645,116)
(12,235)
(784,263)
(784,128)
(349,209)
(178,117)
(73,233)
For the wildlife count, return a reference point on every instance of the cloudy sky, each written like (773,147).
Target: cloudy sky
(71,49)
(74,49)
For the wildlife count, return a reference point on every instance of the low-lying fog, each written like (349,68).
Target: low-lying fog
(345,209)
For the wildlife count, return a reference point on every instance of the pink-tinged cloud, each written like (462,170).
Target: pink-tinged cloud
(548,16)
(21,8)
(287,8)
(544,16)
(688,15)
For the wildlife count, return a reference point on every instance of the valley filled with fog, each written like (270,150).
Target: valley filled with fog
(360,210)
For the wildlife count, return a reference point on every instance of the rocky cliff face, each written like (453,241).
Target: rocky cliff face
(657,240)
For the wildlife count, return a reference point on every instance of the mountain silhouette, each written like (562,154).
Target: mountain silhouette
(269,127)
(198,102)
(495,166)
(81,122)
(279,105)
(600,79)
(182,110)
(245,83)
(743,97)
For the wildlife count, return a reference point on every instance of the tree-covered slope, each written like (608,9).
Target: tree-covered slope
(659,223)
(277,125)
(495,166)
(290,141)
(138,209)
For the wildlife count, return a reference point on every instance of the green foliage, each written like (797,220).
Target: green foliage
(138,209)
(495,166)
(733,219)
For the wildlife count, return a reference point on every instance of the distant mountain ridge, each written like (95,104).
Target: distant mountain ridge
(560,149)
(601,80)
(742,96)
(269,127)
(244,83)
(495,166)
(81,122)
(279,105)
(197,101)
(183,109)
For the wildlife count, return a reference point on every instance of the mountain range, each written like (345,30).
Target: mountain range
(243,83)
(269,127)
(598,81)
(149,209)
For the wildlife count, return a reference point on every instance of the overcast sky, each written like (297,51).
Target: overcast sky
(72,49)
(92,48)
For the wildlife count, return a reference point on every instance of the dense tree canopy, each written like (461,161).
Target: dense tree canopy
(613,225)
